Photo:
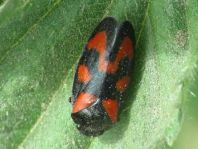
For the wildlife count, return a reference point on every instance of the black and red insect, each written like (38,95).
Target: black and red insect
(102,76)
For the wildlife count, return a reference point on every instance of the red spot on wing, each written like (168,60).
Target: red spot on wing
(111,107)
(83,101)
(99,42)
(84,75)
(126,50)
(122,84)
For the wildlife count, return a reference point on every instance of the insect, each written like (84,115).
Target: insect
(102,76)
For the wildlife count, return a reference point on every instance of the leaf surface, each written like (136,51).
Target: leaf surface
(40,44)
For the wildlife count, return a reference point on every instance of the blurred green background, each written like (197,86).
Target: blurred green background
(40,44)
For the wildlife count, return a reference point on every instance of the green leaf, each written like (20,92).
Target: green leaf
(40,44)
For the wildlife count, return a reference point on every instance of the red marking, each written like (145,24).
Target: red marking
(111,107)
(126,50)
(99,43)
(83,74)
(83,101)
(122,84)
